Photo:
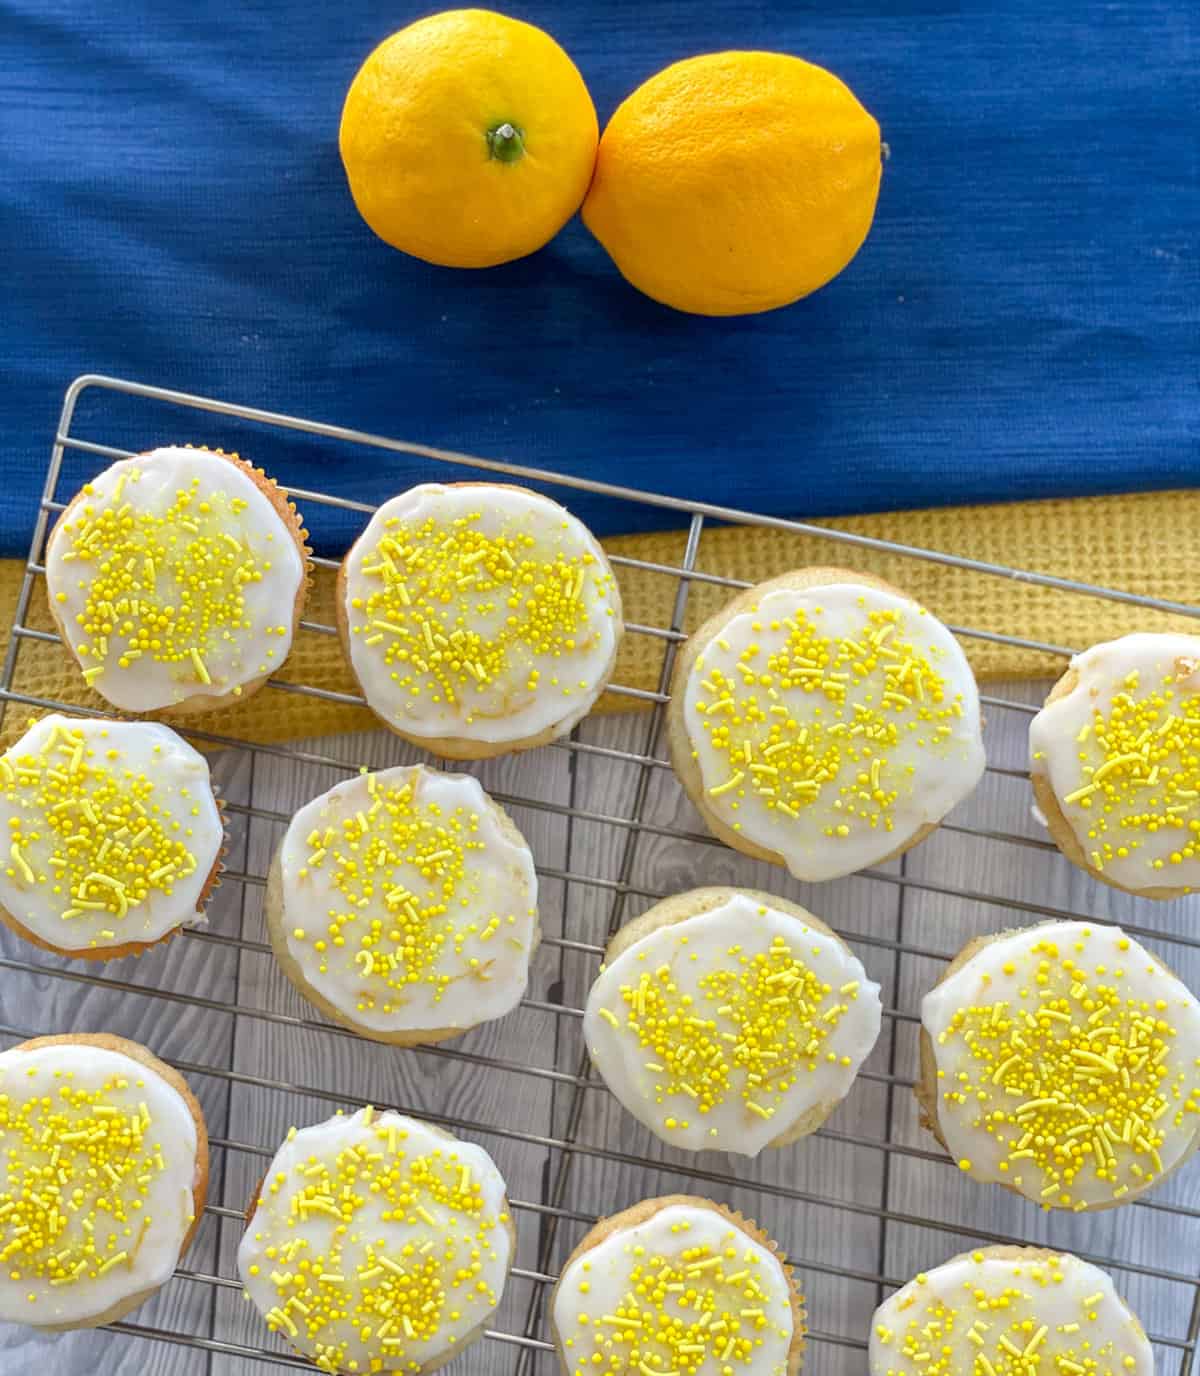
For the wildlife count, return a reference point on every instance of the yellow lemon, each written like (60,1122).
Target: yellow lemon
(468,138)
(735,182)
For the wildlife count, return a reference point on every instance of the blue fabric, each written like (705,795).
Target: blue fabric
(1024,319)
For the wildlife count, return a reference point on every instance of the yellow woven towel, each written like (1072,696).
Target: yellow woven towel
(1141,544)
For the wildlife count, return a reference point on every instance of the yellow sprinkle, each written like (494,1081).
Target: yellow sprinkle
(19,860)
(729,784)
(199,665)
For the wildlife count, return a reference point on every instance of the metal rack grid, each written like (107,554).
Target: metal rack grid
(1167,1227)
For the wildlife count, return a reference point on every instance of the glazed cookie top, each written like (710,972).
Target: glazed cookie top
(97,1170)
(479,612)
(377,1240)
(111,828)
(685,1291)
(721,1031)
(1008,1316)
(1068,1065)
(830,724)
(1121,752)
(407,904)
(173,576)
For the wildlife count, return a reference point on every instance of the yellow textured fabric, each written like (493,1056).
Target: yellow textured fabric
(1141,544)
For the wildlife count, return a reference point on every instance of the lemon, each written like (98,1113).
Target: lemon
(468,138)
(735,182)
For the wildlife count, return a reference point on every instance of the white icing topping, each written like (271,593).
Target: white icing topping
(607,1307)
(111,829)
(680,1021)
(176,563)
(479,612)
(405,1234)
(406,904)
(1121,752)
(115,1184)
(831,724)
(1068,1065)
(993,1317)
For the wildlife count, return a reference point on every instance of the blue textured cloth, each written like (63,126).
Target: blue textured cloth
(1024,319)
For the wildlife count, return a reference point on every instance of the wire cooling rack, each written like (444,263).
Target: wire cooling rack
(860,1207)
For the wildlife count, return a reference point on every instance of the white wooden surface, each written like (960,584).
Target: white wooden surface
(833,1231)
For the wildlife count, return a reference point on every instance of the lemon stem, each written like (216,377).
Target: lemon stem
(506,143)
